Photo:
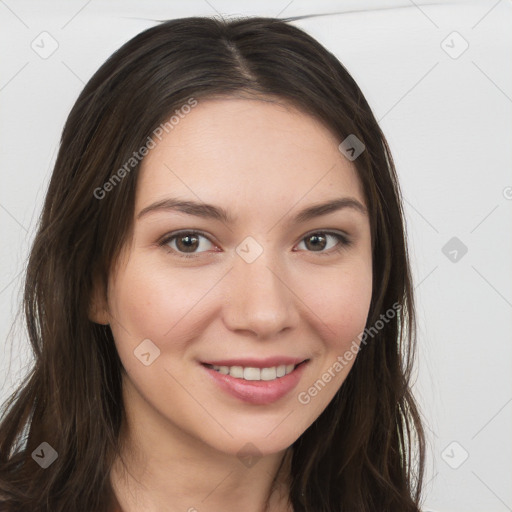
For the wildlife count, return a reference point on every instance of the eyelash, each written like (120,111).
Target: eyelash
(343,242)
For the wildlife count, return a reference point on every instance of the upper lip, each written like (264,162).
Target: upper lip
(249,362)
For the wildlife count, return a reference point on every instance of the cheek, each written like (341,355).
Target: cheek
(151,302)
(342,303)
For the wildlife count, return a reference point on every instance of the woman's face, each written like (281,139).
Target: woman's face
(266,287)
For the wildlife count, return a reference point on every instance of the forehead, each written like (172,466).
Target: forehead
(247,152)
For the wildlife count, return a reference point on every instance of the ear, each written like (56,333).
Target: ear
(98,308)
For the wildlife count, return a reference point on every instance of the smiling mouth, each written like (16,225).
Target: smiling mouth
(255,374)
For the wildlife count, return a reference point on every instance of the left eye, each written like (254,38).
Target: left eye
(186,243)
(319,242)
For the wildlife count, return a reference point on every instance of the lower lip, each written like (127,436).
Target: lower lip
(257,392)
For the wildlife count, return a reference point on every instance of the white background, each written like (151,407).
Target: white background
(449,124)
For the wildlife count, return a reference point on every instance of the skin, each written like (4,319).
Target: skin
(263,162)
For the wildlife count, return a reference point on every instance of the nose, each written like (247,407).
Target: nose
(261,301)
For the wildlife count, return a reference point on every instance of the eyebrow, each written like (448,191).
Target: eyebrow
(210,211)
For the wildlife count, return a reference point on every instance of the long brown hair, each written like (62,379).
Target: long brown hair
(365,452)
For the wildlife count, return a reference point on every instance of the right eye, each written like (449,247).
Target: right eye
(186,241)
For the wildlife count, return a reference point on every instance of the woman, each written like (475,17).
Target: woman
(219,296)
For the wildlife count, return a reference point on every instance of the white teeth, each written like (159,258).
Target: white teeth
(235,371)
(268,373)
(252,373)
(249,373)
(281,370)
